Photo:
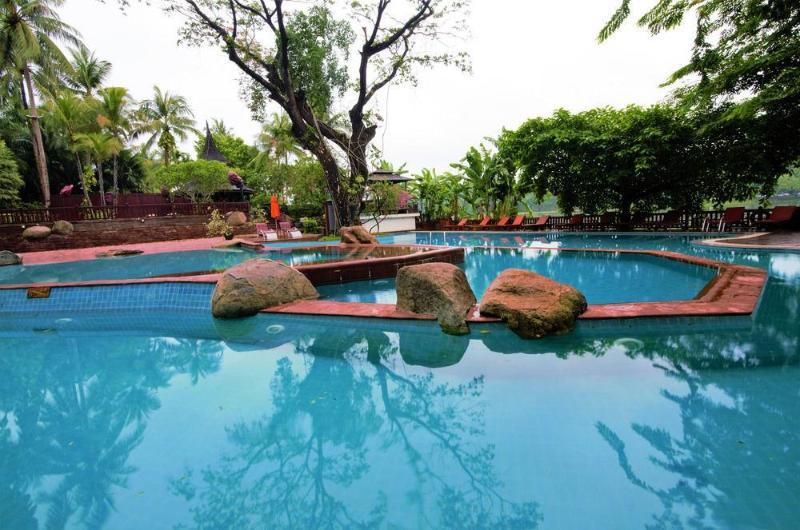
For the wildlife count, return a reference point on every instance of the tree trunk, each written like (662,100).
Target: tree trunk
(100,183)
(82,178)
(36,137)
(116,189)
(166,157)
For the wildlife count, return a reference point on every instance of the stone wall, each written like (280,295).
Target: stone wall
(113,232)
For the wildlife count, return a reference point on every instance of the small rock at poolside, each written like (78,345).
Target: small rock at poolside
(63,228)
(236,219)
(257,284)
(36,232)
(116,252)
(533,306)
(440,289)
(9,258)
(357,235)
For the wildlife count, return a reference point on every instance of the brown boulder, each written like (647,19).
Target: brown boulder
(117,252)
(36,232)
(533,306)
(357,235)
(236,219)
(63,228)
(257,284)
(9,258)
(440,289)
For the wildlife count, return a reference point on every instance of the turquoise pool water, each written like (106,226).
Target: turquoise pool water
(601,277)
(160,418)
(151,265)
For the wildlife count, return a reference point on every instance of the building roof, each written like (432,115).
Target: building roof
(383,175)
(210,151)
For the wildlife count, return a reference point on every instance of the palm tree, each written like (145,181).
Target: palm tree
(101,146)
(276,139)
(113,117)
(74,116)
(29,30)
(165,117)
(88,72)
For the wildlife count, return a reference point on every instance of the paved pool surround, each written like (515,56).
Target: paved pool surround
(734,291)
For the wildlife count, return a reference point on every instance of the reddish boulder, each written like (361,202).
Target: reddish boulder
(236,219)
(532,305)
(357,235)
(36,232)
(257,284)
(439,289)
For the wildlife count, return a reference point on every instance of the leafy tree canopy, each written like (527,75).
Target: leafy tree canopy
(233,148)
(10,180)
(199,179)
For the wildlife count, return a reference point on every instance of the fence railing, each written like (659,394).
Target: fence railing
(703,220)
(94,213)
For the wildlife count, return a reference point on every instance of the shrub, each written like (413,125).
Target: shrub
(217,225)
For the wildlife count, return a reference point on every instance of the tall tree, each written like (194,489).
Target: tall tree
(88,71)
(114,118)
(302,66)
(10,180)
(74,116)
(745,64)
(102,147)
(30,31)
(165,117)
(276,140)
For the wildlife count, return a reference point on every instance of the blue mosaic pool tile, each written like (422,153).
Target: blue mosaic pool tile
(154,296)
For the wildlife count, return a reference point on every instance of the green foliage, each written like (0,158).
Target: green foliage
(165,118)
(437,196)
(640,159)
(381,200)
(319,47)
(301,183)
(10,180)
(198,179)
(743,66)
(217,225)
(489,181)
(234,149)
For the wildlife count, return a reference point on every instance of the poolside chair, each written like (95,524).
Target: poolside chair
(265,232)
(539,224)
(290,231)
(482,225)
(516,224)
(731,217)
(458,226)
(780,217)
(501,224)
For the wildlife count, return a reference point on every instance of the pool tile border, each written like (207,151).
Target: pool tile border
(735,290)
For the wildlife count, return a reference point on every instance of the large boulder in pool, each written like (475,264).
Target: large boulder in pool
(9,258)
(36,232)
(63,228)
(533,306)
(439,289)
(357,235)
(257,284)
(236,219)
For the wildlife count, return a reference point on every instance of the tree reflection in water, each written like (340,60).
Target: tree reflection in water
(333,418)
(71,413)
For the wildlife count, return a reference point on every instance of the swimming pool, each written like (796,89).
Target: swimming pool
(163,419)
(187,262)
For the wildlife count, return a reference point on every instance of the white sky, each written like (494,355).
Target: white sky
(530,57)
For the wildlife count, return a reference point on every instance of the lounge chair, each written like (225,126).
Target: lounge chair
(458,226)
(265,232)
(539,224)
(501,224)
(516,223)
(482,225)
(290,231)
(780,217)
(731,217)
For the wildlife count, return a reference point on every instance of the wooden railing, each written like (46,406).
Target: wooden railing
(93,213)
(703,220)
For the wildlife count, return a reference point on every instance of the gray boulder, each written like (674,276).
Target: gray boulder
(9,258)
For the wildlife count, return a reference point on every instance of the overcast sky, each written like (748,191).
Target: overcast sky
(530,57)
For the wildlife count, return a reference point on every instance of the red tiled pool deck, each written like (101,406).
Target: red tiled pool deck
(735,290)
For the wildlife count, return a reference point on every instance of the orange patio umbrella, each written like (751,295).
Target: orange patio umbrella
(274,209)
